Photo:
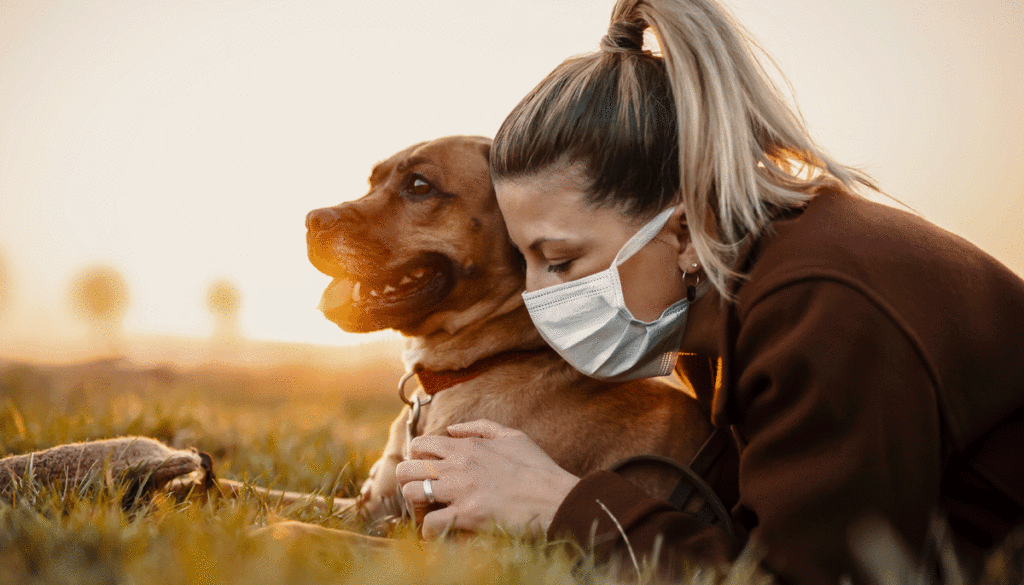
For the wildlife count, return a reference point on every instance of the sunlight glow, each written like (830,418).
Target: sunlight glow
(184,144)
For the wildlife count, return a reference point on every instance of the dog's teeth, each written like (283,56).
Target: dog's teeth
(374,293)
(355,292)
(405,280)
(418,273)
(388,288)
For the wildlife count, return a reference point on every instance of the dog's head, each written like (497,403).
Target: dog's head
(426,243)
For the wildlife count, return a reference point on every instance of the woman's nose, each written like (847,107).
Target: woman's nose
(532,281)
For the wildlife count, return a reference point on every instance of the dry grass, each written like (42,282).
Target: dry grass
(291,428)
(285,428)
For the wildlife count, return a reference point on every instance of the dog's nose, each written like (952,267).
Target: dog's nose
(319,220)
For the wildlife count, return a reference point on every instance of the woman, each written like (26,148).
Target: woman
(867,361)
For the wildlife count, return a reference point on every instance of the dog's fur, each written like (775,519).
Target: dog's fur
(140,461)
(429,240)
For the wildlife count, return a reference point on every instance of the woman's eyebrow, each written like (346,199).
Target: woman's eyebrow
(541,241)
(538,242)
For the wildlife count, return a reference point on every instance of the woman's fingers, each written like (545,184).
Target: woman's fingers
(483,428)
(441,447)
(486,474)
(416,470)
(436,522)
(415,492)
(431,447)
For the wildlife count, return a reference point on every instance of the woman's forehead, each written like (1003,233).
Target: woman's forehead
(561,177)
(552,205)
(535,209)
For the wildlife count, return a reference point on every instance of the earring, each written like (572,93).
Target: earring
(691,291)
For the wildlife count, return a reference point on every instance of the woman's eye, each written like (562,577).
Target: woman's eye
(559,268)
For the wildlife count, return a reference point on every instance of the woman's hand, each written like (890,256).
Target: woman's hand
(488,475)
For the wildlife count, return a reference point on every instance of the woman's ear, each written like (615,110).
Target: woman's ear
(679,231)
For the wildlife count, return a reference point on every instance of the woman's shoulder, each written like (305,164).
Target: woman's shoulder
(955,304)
(868,245)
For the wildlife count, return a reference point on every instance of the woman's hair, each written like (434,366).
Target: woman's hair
(700,123)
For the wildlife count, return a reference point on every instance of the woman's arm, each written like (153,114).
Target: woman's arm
(490,475)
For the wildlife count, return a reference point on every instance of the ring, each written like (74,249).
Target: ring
(428,490)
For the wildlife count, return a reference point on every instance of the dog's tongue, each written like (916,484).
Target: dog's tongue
(337,294)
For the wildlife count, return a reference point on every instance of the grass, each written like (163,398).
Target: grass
(291,428)
(282,428)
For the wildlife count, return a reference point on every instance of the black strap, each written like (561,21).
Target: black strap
(702,462)
(712,510)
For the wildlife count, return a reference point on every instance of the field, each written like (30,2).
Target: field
(295,427)
(289,427)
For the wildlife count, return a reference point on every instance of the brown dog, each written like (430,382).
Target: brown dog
(426,253)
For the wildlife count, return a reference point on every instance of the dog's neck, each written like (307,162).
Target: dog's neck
(434,381)
(499,327)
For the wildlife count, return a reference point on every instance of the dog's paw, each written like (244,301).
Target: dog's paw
(182,472)
(366,490)
(141,463)
(377,494)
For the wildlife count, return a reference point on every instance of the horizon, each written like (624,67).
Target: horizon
(151,349)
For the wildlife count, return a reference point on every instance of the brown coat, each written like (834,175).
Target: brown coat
(871,366)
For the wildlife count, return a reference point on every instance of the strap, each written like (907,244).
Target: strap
(710,451)
(701,463)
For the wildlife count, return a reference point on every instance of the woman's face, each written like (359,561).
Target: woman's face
(563,238)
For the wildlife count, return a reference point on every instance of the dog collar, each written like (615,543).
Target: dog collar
(434,381)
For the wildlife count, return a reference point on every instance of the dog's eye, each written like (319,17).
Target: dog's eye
(419,187)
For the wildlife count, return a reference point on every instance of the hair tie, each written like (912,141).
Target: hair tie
(624,37)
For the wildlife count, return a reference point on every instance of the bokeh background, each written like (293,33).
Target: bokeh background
(182,143)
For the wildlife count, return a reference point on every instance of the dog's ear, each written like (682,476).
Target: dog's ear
(485,147)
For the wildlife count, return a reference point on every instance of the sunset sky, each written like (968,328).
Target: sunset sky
(183,142)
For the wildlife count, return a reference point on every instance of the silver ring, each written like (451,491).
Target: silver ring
(428,490)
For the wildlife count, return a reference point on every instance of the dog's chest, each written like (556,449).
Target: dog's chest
(452,406)
(519,410)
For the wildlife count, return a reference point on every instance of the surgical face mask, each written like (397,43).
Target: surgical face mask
(586,321)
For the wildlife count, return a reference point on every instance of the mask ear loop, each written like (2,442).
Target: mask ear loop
(691,291)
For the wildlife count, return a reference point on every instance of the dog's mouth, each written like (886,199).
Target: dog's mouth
(366,303)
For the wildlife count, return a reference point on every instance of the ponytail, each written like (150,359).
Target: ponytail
(701,123)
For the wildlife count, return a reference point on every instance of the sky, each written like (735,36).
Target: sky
(183,142)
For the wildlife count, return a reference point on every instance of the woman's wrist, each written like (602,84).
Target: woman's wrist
(559,490)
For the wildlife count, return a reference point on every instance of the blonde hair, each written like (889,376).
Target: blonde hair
(701,123)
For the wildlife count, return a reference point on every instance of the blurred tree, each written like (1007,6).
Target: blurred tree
(223,300)
(99,295)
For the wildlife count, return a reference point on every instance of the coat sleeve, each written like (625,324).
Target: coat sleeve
(586,516)
(839,423)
